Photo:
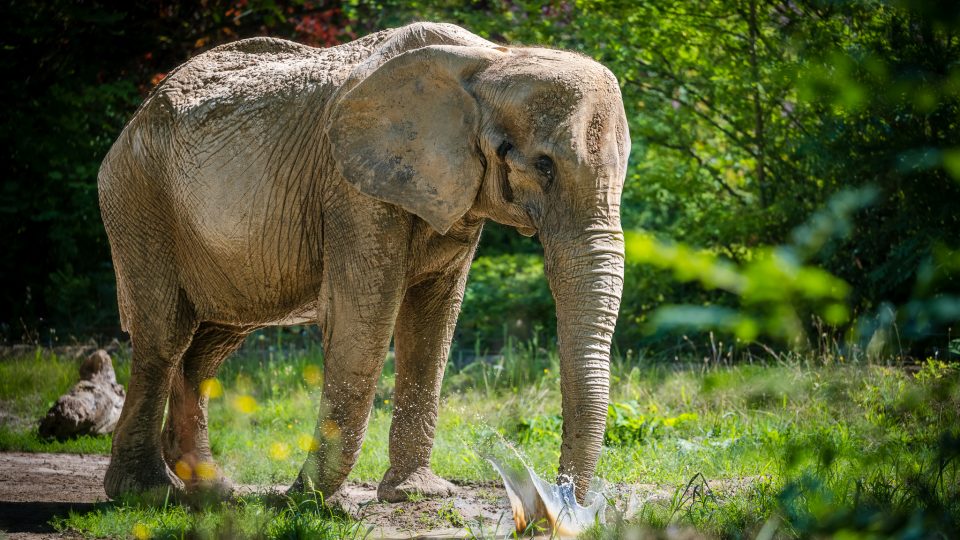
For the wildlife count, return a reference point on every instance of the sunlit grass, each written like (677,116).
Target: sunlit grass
(29,385)
(249,517)
(801,441)
(768,429)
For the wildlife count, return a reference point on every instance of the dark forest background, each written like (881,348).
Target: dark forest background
(794,177)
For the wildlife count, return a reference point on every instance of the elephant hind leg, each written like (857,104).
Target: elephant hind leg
(155,311)
(186,444)
(160,334)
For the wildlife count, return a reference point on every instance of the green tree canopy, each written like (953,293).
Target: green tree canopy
(746,116)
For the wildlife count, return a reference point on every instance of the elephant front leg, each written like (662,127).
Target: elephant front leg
(424,330)
(354,352)
(358,322)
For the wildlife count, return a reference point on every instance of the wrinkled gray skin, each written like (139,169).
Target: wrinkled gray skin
(269,183)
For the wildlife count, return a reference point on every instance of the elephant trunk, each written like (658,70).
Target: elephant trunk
(586,278)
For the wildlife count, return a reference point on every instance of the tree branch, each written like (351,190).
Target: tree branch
(715,174)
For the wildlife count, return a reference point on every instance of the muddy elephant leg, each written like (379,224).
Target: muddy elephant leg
(186,445)
(354,351)
(425,325)
(158,343)
(365,290)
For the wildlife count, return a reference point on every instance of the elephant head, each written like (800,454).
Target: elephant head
(529,137)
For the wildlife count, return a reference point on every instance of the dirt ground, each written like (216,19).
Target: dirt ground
(36,487)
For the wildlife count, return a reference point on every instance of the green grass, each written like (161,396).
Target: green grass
(29,386)
(249,517)
(814,446)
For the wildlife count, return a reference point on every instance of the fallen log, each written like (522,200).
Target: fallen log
(91,407)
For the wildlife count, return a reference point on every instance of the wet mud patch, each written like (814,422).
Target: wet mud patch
(477,509)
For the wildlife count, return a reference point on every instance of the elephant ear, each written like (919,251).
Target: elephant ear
(406,132)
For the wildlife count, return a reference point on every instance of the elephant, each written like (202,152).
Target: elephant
(264,182)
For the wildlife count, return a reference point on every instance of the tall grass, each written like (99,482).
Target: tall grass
(519,365)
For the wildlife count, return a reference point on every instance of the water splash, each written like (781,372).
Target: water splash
(534,500)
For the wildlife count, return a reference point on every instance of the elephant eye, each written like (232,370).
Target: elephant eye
(503,149)
(545,167)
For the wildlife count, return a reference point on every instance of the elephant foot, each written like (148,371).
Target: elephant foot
(340,503)
(202,478)
(210,491)
(303,485)
(332,499)
(151,481)
(397,487)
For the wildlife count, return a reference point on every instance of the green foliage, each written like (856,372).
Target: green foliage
(625,424)
(507,296)
(746,118)
(889,495)
(520,364)
(773,285)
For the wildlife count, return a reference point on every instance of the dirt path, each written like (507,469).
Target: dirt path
(36,487)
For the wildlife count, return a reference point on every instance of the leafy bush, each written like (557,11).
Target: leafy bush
(741,129)
(628,422)
(507,296)
(773,285)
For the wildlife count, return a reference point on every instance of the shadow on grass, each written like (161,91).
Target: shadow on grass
(36,517)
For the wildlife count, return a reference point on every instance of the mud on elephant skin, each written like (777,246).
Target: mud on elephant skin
(269,183)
